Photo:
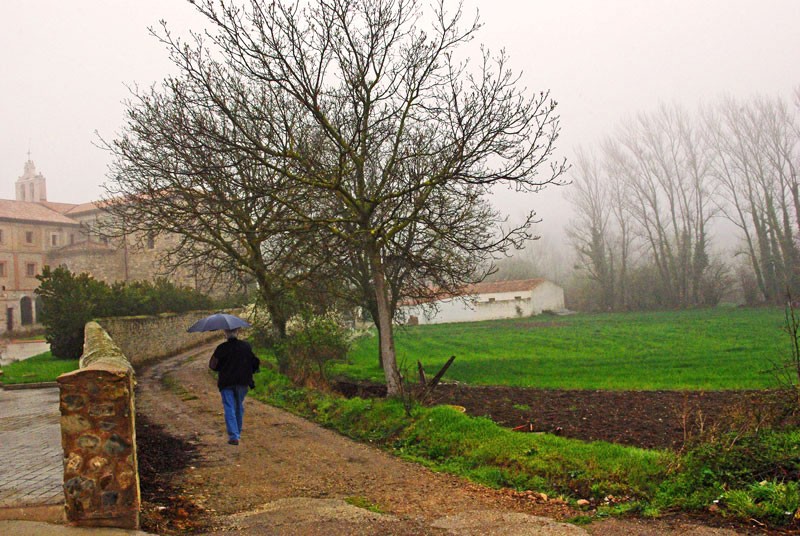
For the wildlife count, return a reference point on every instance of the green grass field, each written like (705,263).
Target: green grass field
(39,368)
(707,349)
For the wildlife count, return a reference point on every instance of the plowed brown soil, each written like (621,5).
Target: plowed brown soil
(647,419)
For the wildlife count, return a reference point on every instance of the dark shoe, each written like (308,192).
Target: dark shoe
(233,442)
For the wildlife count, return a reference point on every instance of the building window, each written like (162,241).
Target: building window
(29,237)
(71,239)
(53,240)
(491,300)
(30,269)
(3,269)
(26,311)
(518,298)
(2,238)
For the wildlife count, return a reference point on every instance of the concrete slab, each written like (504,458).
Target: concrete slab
(33,528)
(53,513)
(31,460)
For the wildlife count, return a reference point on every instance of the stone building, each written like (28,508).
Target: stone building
(35,232)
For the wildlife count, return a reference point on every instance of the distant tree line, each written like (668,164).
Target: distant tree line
(646,199)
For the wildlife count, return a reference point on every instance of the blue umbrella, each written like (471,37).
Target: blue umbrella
(218,321)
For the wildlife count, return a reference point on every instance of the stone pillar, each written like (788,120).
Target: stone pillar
(98,435)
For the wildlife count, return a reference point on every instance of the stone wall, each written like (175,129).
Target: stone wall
(98,434)
(144,338)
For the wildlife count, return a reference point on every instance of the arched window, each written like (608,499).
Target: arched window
(26,311)
(38,308)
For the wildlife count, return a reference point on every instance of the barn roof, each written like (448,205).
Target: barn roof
(491,287)
(498,287)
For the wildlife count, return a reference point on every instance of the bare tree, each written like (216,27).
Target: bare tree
(667,176)
(590,232)
(178,172)
(543,257)
(756,149)
(371,114)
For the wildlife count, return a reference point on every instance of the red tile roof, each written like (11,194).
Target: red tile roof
(87,207)
(491,287)
(61,208)
(497,287)
(32,212)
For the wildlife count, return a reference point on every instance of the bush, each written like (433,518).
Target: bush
(150,298)
(771,501)
(262,333)
(313,341)
(69,301)
(753,475)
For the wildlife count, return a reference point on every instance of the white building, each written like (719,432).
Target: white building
(489,301)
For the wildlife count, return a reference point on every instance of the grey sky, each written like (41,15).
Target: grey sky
(65,64)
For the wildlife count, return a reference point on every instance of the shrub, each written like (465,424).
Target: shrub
(150,298)
(771,501)
(262,333)
(313,341)
(753,475)
(69,301)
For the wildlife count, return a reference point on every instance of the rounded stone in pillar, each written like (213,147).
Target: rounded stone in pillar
(116,446)
(74,424)
(125,479)
(97,463)
(74,463)
(73,402)
(88,441)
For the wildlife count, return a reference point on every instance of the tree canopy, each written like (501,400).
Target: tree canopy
(373,148)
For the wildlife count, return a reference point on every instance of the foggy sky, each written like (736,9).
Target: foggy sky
(65,67)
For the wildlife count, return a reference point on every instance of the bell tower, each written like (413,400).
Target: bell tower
(31,186)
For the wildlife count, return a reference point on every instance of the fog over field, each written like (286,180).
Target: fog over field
(66,66)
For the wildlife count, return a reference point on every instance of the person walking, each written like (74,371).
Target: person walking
(236,363)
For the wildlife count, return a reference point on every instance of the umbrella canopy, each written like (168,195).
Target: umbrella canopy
(218,321)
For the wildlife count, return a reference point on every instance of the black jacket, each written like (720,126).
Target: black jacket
(236,363)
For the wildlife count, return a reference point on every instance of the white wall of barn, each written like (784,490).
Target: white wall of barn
(546,296)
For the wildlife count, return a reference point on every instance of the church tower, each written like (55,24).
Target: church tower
(31,186)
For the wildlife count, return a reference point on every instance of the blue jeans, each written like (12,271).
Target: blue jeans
(233,404)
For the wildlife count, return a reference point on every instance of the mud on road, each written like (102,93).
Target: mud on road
(290,476)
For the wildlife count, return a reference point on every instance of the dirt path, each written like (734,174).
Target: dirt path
(289,476)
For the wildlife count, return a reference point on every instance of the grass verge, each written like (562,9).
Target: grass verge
(743,475)
(445,439)
(39,368)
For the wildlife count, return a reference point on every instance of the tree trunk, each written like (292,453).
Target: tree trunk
(279,332)
(372,307)
(384,322)
(278,321)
